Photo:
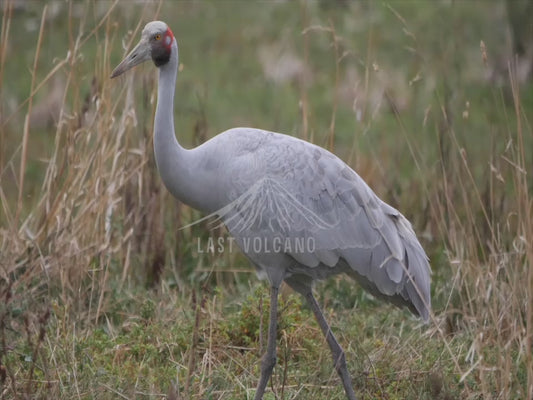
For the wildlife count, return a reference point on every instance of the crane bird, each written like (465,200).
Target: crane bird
(280,189)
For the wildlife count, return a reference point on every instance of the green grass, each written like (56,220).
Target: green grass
(103,296)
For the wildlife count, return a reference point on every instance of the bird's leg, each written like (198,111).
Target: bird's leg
(269,359)
(339,359)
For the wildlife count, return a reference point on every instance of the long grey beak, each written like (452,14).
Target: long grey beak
(139,54)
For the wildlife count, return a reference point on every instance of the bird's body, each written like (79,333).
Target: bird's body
(356,233)
(316,216)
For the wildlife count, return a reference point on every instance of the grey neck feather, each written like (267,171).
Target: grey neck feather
(178,167)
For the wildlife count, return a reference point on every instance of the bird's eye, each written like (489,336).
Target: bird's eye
(157,37)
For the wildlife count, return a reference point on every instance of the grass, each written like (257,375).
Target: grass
(104,297)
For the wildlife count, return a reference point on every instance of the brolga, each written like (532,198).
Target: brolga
(307,213)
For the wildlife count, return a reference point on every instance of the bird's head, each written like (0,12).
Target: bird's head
(155,44)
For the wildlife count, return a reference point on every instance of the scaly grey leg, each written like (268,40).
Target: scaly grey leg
(269,359)
(339,359)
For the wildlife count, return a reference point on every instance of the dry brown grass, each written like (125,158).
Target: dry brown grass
(488,230)
(100,203)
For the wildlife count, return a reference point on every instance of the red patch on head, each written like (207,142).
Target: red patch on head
(168,38)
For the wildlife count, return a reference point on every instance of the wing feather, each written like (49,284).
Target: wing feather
(307,192)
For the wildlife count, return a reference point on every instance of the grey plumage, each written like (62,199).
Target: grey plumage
(279,189)
(353,230)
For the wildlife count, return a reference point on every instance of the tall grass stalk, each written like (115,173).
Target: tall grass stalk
(4,39)
(26,132)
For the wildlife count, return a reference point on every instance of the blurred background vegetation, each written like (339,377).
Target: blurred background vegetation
(103,296)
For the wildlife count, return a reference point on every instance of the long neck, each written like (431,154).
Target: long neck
(177,166)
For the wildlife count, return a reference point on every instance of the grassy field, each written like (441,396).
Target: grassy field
(104,296)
